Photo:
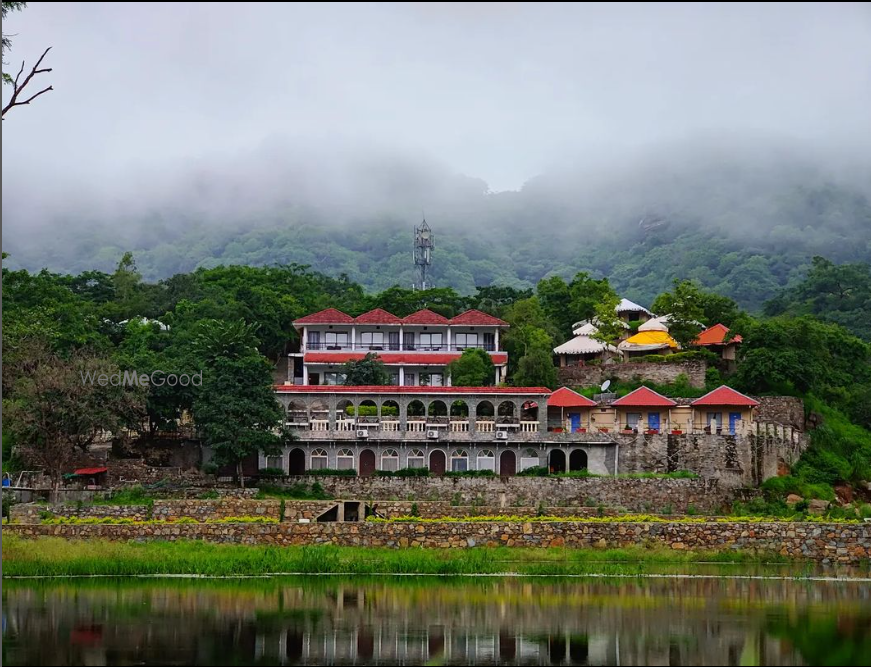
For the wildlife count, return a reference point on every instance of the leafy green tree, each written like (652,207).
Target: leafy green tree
(799,355)
(836,293)
(147,347)
(235,411)
(536,368)
(609,327)
(61,406)
(369,370)
(684,306)
(474,368)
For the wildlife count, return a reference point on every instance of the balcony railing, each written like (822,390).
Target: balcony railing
(396,347)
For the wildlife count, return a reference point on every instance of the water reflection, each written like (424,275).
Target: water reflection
(295,621)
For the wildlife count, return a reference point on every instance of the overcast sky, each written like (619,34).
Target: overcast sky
(497,91)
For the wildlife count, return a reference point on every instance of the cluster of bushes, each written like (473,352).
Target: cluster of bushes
(372,411)
(131,495)
(82,521)
(403,472)
(680,357)
(271,472)
(331,472)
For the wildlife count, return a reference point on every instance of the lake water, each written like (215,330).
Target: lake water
(436,621)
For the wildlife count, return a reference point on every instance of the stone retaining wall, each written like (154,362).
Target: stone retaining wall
(205,510)
(636,495)
(594,376)
(827,543)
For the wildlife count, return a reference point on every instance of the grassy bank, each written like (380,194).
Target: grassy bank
(56,556)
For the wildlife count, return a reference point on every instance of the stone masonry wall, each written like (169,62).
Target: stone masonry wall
(593,376)
(638,495)
(843,543)
(781,410)
(205,510)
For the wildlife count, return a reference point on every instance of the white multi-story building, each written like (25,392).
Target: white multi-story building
(415,349)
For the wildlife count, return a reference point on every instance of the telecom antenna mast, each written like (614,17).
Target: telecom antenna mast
(424,242)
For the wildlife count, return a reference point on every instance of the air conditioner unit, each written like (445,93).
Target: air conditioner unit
(432,434)
(502,435)
(362,433)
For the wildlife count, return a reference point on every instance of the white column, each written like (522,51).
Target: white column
(497,375)
(402,376)
(496,339)
(401,342)
(449,339)
(304,342)
(353,338)
(305,373)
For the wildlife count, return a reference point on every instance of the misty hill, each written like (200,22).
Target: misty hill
(743,221)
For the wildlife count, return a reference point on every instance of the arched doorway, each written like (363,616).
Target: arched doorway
(437,462)
(557,461)
(367,463)
(507,463)
(296,462)
(578,460)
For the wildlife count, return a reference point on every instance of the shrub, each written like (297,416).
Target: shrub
(415,511)
(471,473)
(211,494)
(294,492)
(331,472)
(210,468)
(403,472)
(131,495)
(534,471)
(372,411)
(271,472)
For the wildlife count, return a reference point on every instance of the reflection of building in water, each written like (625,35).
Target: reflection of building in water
(515,622)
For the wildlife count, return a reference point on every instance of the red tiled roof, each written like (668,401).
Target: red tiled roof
(566,398)
(724,395)
(425,316)
(377,316)
(328,316)
(393,358)
(477,318)
(644,397)
(715,335)
(393,389)
(90,471)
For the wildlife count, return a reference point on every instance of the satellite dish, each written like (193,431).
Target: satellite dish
(605,385)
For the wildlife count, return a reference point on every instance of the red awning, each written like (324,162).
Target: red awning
(90,471)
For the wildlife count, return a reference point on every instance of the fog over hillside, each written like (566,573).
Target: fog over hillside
(725,144)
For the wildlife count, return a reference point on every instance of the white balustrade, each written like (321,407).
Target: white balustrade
(320,424)
(416,426)
(346,425)
(485,426)
(390,425)
(459,427)
(528,427)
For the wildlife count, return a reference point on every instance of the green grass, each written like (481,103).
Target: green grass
(49,556)
(131,495)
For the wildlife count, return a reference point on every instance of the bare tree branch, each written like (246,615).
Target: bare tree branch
(13,101)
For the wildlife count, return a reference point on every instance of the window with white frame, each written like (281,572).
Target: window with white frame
(464,340)
(633,419)
(415,459)
(345,459)
(318,459)
(372,339)
(486,460)
(459,460)
(334,378)
(394,379)
(529,459)
(275,462)
(715,420)
(336,339)
(409,379)
(390,460)
(432,379)
(430,341)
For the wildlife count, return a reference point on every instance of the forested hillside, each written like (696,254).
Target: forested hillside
(743,225)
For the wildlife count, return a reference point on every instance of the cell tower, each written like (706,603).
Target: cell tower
(424,242)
